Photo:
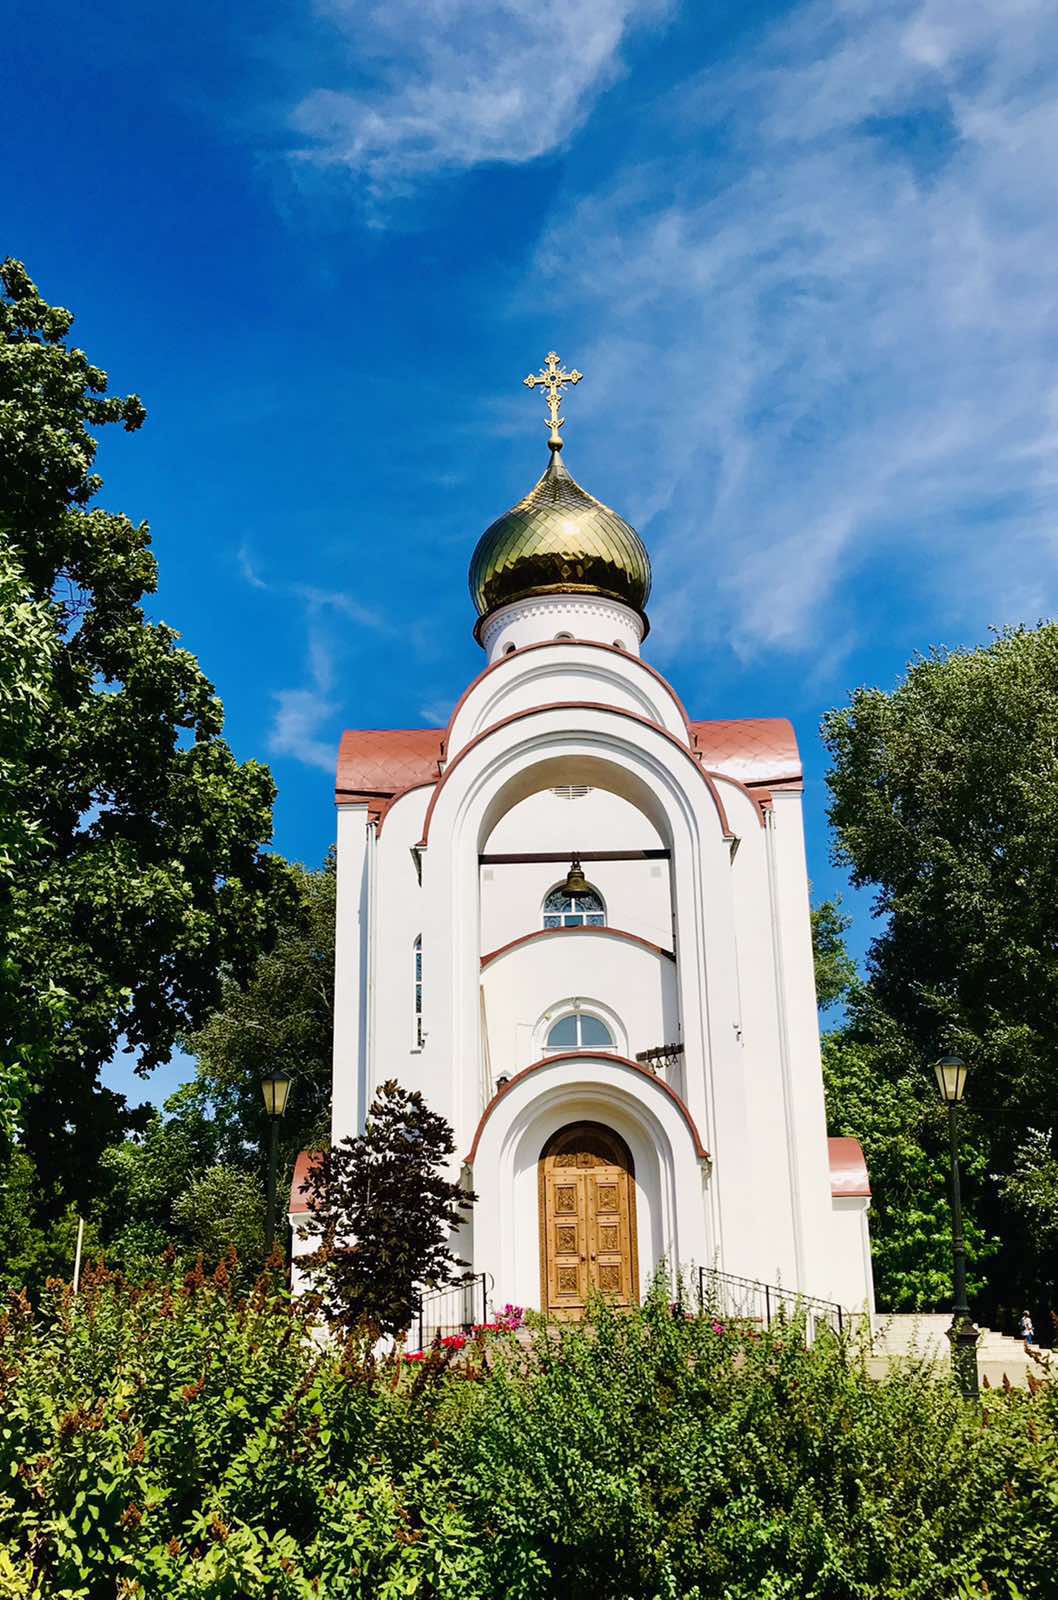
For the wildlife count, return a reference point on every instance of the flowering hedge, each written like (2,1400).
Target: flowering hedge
(182,1440)
(509,1320)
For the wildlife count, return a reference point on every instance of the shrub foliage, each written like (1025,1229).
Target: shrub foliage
(179,1440)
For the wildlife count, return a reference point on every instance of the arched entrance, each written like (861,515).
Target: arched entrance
(587,1220)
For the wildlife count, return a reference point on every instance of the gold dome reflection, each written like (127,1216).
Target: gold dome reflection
(559,540)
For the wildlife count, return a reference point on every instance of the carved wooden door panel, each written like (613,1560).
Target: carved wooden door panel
(609,1252)
(587,1220)
(566,1242)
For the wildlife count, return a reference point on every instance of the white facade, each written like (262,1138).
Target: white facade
(570,744)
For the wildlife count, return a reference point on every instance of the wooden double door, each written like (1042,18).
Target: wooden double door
(587,1220)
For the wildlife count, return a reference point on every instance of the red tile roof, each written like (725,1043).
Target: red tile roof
(751,749)
(374,764)
(848,1168)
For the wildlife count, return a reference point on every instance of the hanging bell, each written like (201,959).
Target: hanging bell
(576,883)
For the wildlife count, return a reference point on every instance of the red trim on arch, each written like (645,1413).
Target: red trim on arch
(546,644)
(387,805)
(593,1055)
(758,797)
(550,933)
(576,705)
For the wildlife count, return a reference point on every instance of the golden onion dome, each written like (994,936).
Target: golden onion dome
(559,540)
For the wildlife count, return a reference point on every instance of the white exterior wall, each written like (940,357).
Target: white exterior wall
(799,1044)
(849,1275)
(630,988)
(398,922)
(776,1254)
(739,996)
(355,852)
(581,616)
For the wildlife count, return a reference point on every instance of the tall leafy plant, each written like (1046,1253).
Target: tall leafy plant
(385,1212)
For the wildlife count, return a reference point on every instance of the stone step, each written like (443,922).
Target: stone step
(902,1336)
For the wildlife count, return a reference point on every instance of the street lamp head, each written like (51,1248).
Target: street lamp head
(951,1074)
(275,1087)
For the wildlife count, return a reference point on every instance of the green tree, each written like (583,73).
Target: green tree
(143,1179)
(385,1212)
(282,1018)
(27,656)
(140,876)
(944,798)
(875,1093)
(33,1251)
(835,968)
(220,1210)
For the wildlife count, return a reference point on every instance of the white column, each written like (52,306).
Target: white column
(802,1069)
(352,972)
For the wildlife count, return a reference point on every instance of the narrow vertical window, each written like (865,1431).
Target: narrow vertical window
(418,992)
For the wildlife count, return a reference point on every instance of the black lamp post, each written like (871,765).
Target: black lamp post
(276,1089)
(951,1073)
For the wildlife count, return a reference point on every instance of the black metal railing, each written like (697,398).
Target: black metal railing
(455,1309)
(747,1300)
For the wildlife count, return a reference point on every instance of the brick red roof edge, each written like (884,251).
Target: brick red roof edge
(377,763)
(848,1168)
(302,1203)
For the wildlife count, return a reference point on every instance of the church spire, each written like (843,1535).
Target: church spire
(553,380)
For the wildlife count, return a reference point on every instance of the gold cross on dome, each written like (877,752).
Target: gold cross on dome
(553,380)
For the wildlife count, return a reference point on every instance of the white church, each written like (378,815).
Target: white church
(577,920)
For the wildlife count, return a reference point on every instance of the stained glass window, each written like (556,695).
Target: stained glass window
(562,910)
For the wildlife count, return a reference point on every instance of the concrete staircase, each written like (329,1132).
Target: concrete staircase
(923,1334)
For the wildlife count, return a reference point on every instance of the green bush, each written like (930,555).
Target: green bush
(180,1440)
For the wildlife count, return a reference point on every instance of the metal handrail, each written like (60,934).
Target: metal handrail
(456,1308)
(750,1300)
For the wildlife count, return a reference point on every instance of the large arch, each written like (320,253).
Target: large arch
(476,707)
(671,1167)
(632,757)
(576,711)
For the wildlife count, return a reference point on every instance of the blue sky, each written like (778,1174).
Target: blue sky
(805,255)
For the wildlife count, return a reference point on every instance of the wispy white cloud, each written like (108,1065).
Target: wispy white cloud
(303,715)
(435,713)
(452,84)
(304,726)
(344,605)
(247,569)
(836,307)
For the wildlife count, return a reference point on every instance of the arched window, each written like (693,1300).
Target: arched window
(585,910)
(417,981)
(579,1031)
